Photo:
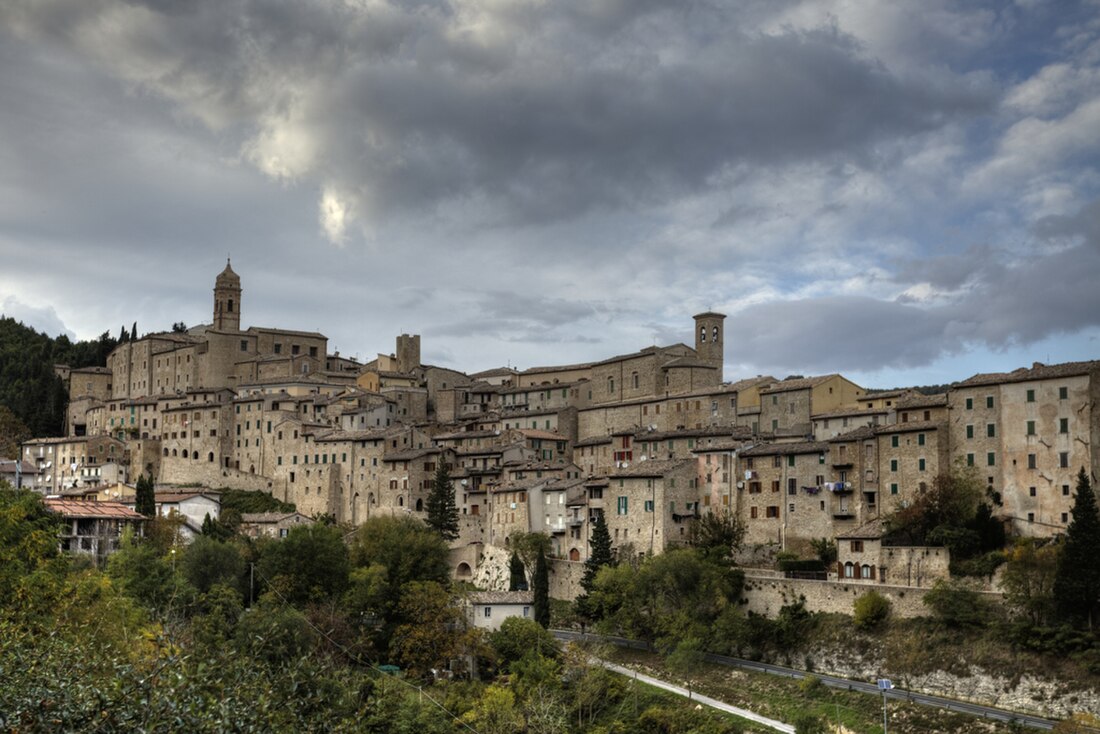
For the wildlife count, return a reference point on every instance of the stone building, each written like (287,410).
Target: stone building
(784,499)
(786,406)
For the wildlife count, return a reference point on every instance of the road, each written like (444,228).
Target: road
(705,700)
(899,694)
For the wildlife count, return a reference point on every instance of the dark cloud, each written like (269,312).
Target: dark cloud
(544,112)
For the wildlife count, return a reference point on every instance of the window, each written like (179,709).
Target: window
(894,441)
(1063,425)
(790,460)
(991,458)
(1063,393)
(752,513)
(1031,428)
(1031,396)
(773,511)
(488,612)
(857,546)
(970,459)
(989,401)
(893,489)
(634,380)
(920,464)
(790,507)
(792,486)
(970,431)
(1065,490)
(278,348)
(622,505)
(970,403)
(1031,461)
(648,505)
(893,464)
(1063,460)
(777,462)
(1031,517)
(611,384)
(244,345)
(1065,518)
(1031,491)
(990,430)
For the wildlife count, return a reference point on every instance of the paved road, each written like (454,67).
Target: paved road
(899,694)
(705,700)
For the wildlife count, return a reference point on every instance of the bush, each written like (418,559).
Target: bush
(957,604)
(809,724)
(812,565)
(518,636)
(871,610)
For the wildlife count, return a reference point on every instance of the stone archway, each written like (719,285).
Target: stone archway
(574,554)
(463,571)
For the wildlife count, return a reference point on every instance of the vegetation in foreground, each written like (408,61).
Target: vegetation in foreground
(169,639)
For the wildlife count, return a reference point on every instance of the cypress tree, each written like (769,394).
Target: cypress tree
(1077,583)
(517,580)
(599,554)
(542,590)
(442,511)
(145,498)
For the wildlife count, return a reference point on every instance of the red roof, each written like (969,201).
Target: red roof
(87,508)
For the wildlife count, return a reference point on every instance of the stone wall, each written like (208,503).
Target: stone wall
(765,595)
(565,578)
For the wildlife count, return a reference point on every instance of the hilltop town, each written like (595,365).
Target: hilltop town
(650,440)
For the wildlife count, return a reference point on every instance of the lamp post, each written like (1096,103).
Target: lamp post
(884,685)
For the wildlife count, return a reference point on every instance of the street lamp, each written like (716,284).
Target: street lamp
(884,685)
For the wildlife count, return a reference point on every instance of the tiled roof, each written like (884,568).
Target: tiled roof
(411,454)
(920,400)
(593,441)
(724,431)
(7,466)
(911,426)
(544,435)
(786,449)
(502,597)
(1038,371)
(495,372)
(558,368)
(802,383)
(867,531)
(98,510)
(649,468)
(850,412)
(860,434)
(684,362)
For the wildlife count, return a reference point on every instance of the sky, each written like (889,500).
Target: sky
(904,192)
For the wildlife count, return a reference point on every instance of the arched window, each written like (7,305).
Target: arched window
(166,451)
(174,452)
(865,571)
(715,339)
(611,384)
(252,469)
(195,456)
(210,456)
(370,499)
(401,501)
(702,333)
(420,505)
(849,570)
(574,554)
(229,306)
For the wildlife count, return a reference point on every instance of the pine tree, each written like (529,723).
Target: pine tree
(1077,584)
(542,591)
(517,580)
(442,511)
(145,498)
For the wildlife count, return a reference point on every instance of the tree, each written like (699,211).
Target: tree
(541,583)
(208,562)
(528,546)
(517,575)
(13,432)
(145,500)
(518,637)
(1028,580)
(955,603)
(431,632)
(442,512)
(718,534)
(599,556)
(870,610)
(1077,583)
(310,564)
(179,327)
(944,510)
(28,537)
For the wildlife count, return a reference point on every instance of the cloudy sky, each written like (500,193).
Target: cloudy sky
(907,192)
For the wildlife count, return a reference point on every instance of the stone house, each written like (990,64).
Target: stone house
(784,500)
(786,406)
(910,456)
(93,528)
(863,557)
(650,505)
(65,463)
(271,524)
(488,609)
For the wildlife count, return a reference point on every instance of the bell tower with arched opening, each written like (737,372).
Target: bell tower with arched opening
(710,339)
(227,300)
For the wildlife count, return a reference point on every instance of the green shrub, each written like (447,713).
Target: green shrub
(870,610)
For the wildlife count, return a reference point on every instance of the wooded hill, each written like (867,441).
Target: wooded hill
(33,398)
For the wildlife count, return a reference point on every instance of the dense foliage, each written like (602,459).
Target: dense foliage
(1077,583)
(29,387)
(442,510)
(167,640)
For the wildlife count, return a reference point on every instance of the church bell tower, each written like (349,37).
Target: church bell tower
(227,300)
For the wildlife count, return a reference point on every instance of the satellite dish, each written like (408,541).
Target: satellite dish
(740,485)
(463,482)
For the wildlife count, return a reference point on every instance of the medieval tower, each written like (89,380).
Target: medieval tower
(227,300)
